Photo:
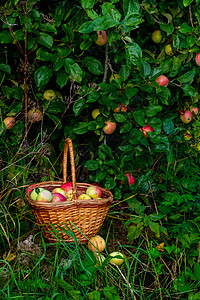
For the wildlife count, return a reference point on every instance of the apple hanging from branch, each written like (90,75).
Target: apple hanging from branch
(9,122)
(186,116)
(102,38)
(157,36)
(162,80)
(110,127)
(146,129)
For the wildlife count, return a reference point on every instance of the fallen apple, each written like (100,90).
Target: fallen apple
(157,36)
(95,113)
(110,127)
(44,196)
(49,95)
(60,191)
(84,196)
(102,38)
(117,258)
(146,129)
(9,122)
(57,197)
(34,115)
(35,193)
(162,80)
(94,192)
(186,116)
(96,243)
(131,179)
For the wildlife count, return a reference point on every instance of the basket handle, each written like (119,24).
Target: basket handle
(68,145)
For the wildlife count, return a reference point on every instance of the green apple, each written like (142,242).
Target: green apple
(95,113)
(44,196)
(49,95)
(35,193)
(117,258)
(84,196)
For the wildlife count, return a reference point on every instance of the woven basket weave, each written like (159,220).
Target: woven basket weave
(69,219)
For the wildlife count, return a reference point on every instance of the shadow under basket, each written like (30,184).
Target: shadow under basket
(66,221)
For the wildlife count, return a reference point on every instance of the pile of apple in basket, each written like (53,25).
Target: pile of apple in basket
(64,193)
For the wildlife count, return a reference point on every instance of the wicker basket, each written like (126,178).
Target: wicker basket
(72,219)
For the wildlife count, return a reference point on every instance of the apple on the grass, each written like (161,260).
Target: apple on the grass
(102,38)
(96,243)
(162,80)
(84,197)
(100,258)
(94,192)
(35,193)
(110,127)
(44,196)
(146,129)
(186,116)
(60,191)
(116,258)
(131,179)
(9,122)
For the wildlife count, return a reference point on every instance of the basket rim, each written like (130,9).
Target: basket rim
(76,202)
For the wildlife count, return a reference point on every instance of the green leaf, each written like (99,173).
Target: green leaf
(78,106)
(94,295)
(185,28)
(175,67)
(139,117)
(110,293)
(145,69)
(124,73)
(132,19)
(133,54)
(43,55)
(56,120)
(126,127)
(110,184)
(42,76)
(81,128)
(48,27)
(92,165)
(107,87)
(6,37)
(135,231)
(152,110)
(188,77)
(5,68)
(120,117)
(187,2)
(155,228)
(156,72)
(107,150)
(131,6)
(189,90)
(92,96)
(86,27)
(168,126)
(163,93)
(75,72)
(168,28)
(93,65)
(61,77)
(87,4)
(45,40)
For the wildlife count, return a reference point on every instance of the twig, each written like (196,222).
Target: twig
(106,64)
(154,201)
(190,12)
(128,283)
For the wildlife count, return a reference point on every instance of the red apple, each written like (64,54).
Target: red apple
(57,197)
(9,122)
(186,116)
(156,36)
(194,109)
(96,243)
(162,80)
(102,38)
(67,187)
(146,129)
(110,127)
(94,192)
(60,191)
(34,115)
(197,58)
(131,179)
(121,107)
